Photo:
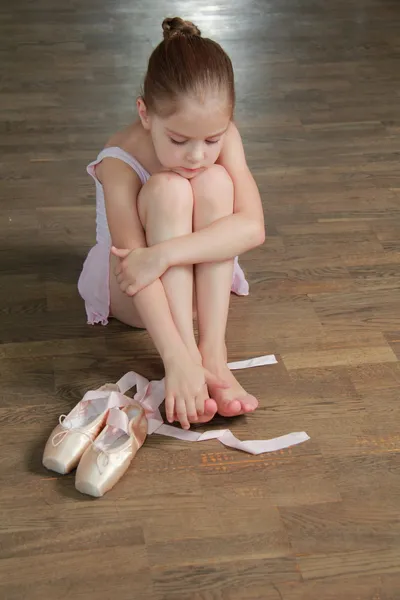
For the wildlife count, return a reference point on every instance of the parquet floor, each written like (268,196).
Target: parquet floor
(318,89)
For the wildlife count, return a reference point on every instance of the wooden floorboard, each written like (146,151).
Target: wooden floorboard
(318,108)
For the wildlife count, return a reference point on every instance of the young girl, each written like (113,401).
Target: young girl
(176,203)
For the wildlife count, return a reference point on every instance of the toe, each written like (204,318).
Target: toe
(249,404)
(210,407)
(235,407)
(230,409)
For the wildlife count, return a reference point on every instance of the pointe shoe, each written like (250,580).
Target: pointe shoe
(77,430)
(107,459)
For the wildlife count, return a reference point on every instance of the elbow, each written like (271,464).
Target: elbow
(257,235)
(261,236)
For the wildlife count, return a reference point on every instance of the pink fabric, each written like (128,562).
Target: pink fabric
(118,419)
(240,285)
(93,284)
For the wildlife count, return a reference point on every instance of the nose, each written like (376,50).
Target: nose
(195,155)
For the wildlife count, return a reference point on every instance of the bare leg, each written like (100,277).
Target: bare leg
(165,207)
(213,199)
(121,305)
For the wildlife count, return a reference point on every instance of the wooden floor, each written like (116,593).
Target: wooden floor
(318,88)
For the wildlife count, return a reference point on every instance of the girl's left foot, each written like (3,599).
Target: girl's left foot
(234,400)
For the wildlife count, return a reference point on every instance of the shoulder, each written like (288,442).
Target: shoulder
(113,170)
(233,131)
(232,152)
(232,136)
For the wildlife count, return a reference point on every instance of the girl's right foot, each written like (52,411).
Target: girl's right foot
(210,408)
(185,383)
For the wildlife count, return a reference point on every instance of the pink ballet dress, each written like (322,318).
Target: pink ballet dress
(93,284)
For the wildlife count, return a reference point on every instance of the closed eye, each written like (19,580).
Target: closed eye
(181,143)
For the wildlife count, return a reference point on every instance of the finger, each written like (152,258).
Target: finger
(131,290)
(180,407)
(200,404)
(191,410)
(121,253)
(212,379)
(170,408)
(121,273)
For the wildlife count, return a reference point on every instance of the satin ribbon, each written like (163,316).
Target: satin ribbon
(59,437)
(150,394)
(101,400)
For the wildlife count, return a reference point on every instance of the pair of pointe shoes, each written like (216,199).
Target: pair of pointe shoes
(100,436)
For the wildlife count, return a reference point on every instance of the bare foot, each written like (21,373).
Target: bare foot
(234,400)
(210,409)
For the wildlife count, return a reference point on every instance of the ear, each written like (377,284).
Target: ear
(142,112)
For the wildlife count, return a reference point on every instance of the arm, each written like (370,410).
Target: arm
(121,187)
(231,235)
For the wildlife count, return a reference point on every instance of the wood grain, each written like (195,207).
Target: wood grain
(318,108)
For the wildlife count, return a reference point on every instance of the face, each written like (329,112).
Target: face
(190,140)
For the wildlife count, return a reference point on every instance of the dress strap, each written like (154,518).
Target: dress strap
(116,152)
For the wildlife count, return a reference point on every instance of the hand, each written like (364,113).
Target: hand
(184,382)
(138,268)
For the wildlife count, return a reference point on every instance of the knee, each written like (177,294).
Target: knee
(214,191)
(168,194)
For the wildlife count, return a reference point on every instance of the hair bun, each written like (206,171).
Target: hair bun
(173,26)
